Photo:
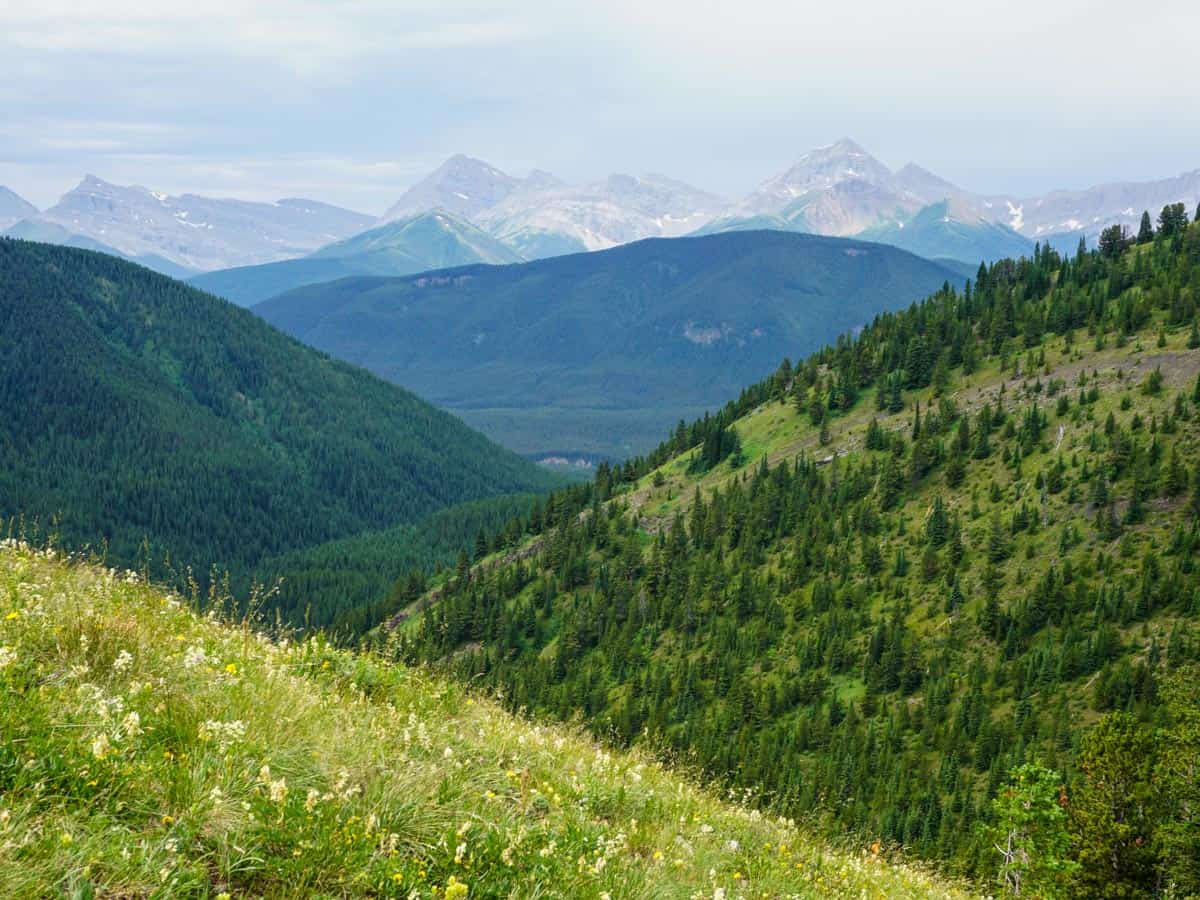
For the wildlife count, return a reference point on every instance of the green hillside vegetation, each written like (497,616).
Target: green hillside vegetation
(148,418)
(347,585)
(935,585)
(599,352)
(151,752)
(430,240)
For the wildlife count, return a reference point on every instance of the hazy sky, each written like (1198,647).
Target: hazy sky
(351,102)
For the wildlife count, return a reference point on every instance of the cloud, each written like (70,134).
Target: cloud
(360,97)
(304,37)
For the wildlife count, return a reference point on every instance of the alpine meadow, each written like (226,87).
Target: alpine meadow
(622,451)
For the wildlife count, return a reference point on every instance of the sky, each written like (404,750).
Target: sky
(351,102)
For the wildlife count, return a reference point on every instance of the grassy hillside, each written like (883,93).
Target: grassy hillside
(431,240)
(147,416)
(151,752)
(884,579)
(600,352)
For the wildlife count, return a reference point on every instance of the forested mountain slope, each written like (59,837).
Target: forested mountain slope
(960,542)
(599,352)
(152,752)
(134,408)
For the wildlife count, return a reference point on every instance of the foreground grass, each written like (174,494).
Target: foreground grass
(148,752)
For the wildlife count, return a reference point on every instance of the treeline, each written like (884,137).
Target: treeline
(877,643)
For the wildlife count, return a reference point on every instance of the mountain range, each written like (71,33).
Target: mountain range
(596,353)
(13,208)
(189,232)
(434,239)
(838,190)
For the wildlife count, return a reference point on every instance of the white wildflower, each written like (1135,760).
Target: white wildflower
(101,746)
(223,734)
(194,656)
(312,799)
(123,661)
(7,657)
(131,725)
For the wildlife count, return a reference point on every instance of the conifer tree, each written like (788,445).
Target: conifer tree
(1146,230)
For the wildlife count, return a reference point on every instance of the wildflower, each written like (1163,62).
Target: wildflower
(7,657)
(447,753)
(65,839)
(224,734)
(455,889)
(719,894)
(194,656)
(311,800)
(168,820)
(276,788)
(231,668)
(506,856)
(131,725)
(224,895)
(101,746)
(12,615)
(123,661)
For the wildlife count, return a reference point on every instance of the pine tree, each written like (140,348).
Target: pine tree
(1030,834)
(1114,809)
(1146,231)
